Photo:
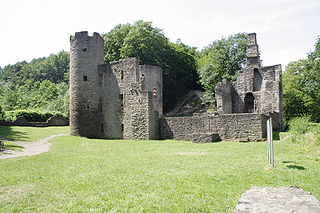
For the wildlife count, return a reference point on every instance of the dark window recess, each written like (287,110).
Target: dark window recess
(100,104)
(85,78)
(121,99)
(102,128)
(84,49)
(122,127)
(100,78)
(121,74)
(257,80)
(249,103)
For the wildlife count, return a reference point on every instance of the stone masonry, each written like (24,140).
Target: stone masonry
(123,99)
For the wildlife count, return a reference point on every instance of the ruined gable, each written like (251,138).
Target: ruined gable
(257,89)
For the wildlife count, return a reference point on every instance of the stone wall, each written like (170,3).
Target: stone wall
(234,127)
(111,110)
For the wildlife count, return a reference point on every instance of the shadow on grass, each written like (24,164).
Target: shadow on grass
(293,166)
(296,167)
(289,161)
(7,132)
(12,146)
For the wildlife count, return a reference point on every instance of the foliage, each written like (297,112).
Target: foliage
(221,60)
(41,84)
(31,115)
(301,87)
(147,176)
(300,129)
(148,43)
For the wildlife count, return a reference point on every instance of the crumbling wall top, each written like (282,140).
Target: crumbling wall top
(252,39)
(84,35)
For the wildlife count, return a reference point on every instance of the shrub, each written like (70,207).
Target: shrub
(302,130)
(31,115)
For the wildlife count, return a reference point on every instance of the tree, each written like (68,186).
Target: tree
(150,45)
(301,87)
(221,60)
(40,84)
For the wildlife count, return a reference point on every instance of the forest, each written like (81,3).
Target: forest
(42,85)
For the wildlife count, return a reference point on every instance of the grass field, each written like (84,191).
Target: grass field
(28,134)
(89,175)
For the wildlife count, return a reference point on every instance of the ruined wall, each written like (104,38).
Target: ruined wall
(224,97)
(234,127)
(256,90)
(86,53)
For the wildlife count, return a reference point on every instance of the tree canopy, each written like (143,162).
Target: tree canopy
(40,84)
(148,43)
(301,87)
(221,60)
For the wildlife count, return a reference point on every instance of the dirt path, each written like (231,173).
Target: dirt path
(31,148)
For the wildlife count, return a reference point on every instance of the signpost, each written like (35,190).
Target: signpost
(270,141)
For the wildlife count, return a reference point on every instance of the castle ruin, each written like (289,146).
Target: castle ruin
(123,99)
(117,100)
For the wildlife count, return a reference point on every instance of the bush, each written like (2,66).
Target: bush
(302,130)
(31,115)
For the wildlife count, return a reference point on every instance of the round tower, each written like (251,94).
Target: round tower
(86,53)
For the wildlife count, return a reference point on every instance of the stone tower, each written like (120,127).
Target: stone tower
(86,53)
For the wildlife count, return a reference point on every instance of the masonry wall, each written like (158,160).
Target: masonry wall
(234,127)
(109,103)
(151,78)
(138,107)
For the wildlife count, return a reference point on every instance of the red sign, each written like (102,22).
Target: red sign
(154,93)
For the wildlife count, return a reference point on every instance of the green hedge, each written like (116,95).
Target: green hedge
(30,115)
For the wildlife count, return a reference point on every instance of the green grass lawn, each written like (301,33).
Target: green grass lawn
(28,134)
(90,175)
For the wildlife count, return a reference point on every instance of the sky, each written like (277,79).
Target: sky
(286,29)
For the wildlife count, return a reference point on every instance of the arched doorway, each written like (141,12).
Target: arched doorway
(248,103)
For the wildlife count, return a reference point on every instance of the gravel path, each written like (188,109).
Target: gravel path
(30,148)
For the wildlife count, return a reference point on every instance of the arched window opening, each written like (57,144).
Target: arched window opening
(249,103)
(257,80)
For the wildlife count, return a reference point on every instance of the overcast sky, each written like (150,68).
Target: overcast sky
(286,29)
